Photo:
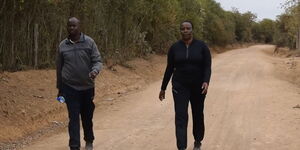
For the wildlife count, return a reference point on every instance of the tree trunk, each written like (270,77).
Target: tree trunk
(60,33)
(298,40)
(36,45)
(12,48)
(48,51)
(29,44)
(2,50)
(3,6)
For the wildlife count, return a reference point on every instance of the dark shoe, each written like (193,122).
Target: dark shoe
(197,146)
(74,148)
(88,146)
(181,149)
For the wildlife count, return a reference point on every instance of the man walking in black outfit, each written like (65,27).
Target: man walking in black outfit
(78,63)
(189,61)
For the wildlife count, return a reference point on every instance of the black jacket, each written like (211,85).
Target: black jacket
(188,64)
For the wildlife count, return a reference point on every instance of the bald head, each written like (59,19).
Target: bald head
(73,26)
(74,20)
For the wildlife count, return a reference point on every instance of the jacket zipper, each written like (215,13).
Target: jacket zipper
(187,51)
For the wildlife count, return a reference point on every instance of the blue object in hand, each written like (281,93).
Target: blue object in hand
(61,99)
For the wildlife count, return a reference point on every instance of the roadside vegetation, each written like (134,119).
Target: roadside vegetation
(32,29)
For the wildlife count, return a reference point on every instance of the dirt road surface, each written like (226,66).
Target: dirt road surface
(247,108)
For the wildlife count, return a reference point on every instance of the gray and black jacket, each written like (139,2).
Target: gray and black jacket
(75,61)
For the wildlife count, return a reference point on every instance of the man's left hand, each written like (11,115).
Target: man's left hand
(93,74)
(204,88)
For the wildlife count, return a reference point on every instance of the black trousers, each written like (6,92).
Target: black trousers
(79,104)
(183,94)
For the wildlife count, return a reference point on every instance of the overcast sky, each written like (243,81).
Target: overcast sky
(262,8)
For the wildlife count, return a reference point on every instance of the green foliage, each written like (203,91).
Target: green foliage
(243,25)
(216,28)
(122,29)
(264,31)
(288,25)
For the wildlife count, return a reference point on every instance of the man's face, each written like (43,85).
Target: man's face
(73,27)
(186,30)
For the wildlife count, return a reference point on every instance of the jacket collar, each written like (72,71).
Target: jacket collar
(81,39)
(181,41)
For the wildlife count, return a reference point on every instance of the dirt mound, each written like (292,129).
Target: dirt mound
(287,65)
(288,69)
(217,49)
(286,52)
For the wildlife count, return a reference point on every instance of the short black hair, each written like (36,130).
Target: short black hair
(187,22)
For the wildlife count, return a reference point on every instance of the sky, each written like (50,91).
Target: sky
(261,8)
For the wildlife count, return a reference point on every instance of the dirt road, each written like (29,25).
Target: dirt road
(247,108)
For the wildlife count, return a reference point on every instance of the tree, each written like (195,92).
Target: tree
(263,31)
(288,25)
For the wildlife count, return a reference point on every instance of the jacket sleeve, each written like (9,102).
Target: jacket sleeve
(96,58)
(169,69)
(59,65)
(207,63)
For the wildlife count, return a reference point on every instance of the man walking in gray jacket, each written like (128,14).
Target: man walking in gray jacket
(78,63)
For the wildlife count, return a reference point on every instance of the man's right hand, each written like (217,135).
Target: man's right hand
(161,95)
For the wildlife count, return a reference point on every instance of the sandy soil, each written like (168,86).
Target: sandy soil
(252,104)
